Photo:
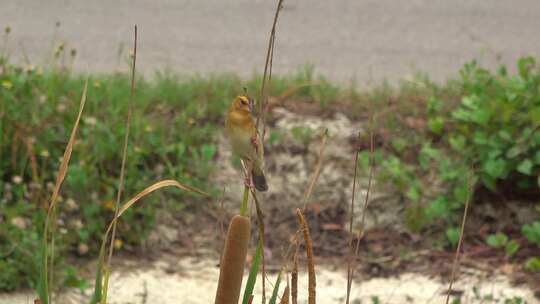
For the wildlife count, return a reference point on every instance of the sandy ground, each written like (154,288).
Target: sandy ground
(191,281)
(363,39)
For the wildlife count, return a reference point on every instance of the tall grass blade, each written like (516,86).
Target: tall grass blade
(98,288)
(43,283)
(273,298)
(252,277)
(122,169)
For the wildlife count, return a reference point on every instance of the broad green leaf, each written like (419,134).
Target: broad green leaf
(514,151)
(452,234)
(497,240)
(438,208)
(532,265)
(537,158)
(457,142)
(494,167)
(511,248)
(525,167)
(436,124)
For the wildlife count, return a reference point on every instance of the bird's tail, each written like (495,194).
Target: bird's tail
(259,179)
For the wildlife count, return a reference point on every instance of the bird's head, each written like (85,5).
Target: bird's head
(242,103)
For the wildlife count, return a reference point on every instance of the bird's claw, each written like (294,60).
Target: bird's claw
(254,142)
(248,183)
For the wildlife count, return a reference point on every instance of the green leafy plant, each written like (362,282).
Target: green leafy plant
(532,232)
(501,240)
(532,264)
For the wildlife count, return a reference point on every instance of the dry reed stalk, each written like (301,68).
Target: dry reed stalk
(62,172)
(360,235)
(455,265)
(260,224)
(309,253)
(351,251)
(124,149)
(317,172)
(294,275)
(285,295)
(233,261)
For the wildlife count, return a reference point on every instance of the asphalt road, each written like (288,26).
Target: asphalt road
(366,40)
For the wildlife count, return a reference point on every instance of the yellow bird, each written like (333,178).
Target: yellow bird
(241,131)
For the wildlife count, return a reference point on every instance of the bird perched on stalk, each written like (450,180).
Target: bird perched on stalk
(241,131)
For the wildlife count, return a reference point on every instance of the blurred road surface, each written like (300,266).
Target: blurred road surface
(366,40)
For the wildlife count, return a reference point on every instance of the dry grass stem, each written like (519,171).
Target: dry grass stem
(294,275)
(360,235)
(351,250)
(62,172)
(267,74)
(455,266)
(260,222)
(123,164)
(310,260)
(317,172)
(285,295)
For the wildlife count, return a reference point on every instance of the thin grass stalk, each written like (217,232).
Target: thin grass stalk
(275,291)
(360,235)
(294,275)
(244,203)
(43,284)
(267,70)
(317,172)
(312,284)
(260,222)
(351,250)
(122,168)
(455,265)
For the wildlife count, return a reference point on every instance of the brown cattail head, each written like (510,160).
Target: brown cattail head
(233,261)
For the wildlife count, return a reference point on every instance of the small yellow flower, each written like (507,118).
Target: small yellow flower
(7,84)
(44,153)
(118,244)
(97,84)
(108,204)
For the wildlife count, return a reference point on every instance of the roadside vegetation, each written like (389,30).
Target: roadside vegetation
(428,138)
